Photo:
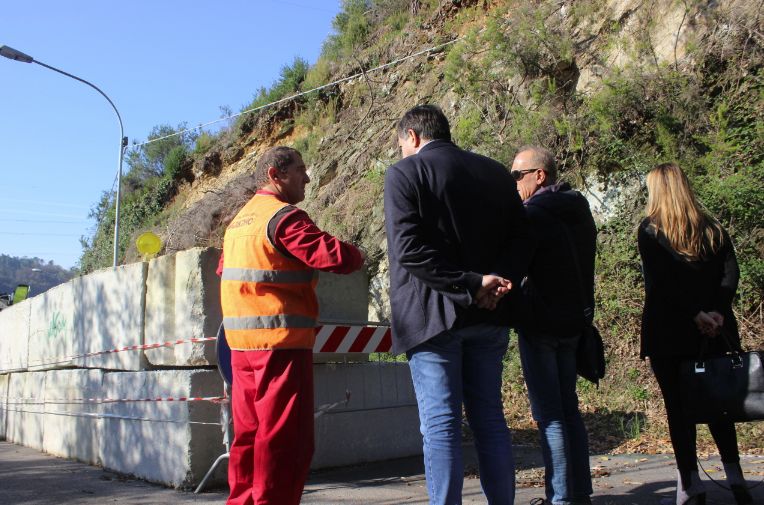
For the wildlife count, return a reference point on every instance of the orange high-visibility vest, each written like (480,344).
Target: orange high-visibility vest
(268,300)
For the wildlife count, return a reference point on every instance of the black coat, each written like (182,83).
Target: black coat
(558,292)
(451,216)
(677,289)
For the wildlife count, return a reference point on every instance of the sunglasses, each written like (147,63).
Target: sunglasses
(519,174)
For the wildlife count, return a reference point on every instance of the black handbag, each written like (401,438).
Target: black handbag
(724,388)
(590,355)
(590,351)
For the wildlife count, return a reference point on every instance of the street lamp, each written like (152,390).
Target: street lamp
(13,54)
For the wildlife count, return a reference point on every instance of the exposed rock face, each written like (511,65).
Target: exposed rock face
(232,154)
(607,200)
(379,293)
(210,165)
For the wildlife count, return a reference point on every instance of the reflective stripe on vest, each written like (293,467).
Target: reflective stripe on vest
(276,276)
(268,322)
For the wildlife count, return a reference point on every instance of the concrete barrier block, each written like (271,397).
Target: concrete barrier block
(160,308)
(379,422)
(352,437)
(71,425)
(404,386)
(173,443)
(52,331)
(26,409)
(342,299)
(109,315)
(14,337)
(4,379)
(371,385)
(195,308)
(197,304)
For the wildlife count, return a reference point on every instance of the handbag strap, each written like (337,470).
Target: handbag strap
(724,335)
(588,309)
(727,488)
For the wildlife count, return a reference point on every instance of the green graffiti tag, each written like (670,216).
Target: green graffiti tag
(57,325)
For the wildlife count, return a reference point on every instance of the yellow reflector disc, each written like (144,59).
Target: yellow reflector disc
(148,243)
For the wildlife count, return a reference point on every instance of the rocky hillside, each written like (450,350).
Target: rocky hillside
(516,74)
(611,86)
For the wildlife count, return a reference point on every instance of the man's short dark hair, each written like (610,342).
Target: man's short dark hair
(427,121)
(279,157)
(544,159)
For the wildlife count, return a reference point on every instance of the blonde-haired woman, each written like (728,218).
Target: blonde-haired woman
(691,275)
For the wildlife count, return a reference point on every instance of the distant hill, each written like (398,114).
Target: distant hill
(40,276)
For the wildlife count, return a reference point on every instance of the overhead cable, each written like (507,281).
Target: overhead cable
(303,93)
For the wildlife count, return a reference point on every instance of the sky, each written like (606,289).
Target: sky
(160,62)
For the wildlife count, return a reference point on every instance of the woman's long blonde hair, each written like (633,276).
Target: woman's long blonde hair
(674,211)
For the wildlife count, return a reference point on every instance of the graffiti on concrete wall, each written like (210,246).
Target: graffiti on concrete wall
(56,326)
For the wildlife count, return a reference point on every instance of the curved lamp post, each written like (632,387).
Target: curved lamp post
(13,54)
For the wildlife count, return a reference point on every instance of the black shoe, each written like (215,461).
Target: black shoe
(741,493)
(539,501)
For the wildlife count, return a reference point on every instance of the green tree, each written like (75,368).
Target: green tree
(148,160)
(352,27)
(289,82)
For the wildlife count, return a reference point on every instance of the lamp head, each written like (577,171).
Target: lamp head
(13,54)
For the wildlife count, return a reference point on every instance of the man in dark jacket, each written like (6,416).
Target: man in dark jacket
(451,217)
(559,291)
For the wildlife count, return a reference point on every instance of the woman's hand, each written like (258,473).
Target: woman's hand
(708,324)
(718,318)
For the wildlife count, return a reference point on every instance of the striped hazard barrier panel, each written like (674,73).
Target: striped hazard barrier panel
(340,338)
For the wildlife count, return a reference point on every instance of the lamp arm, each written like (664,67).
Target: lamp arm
(119,118)
(122,147)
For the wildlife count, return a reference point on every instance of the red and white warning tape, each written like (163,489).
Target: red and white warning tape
(322,409)
(95,415)
(68,401)
(139,347)
(157,345)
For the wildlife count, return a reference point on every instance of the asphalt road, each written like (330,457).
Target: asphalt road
(28,477)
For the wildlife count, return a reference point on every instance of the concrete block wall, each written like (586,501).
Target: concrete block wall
(71,428)
(380,421)
(4,379)
(14,337)
(110,314)
(159,323)
(52,327)
(26,409)
(183,302)
(161,441)
(174,443)
(197,303)
(96,312)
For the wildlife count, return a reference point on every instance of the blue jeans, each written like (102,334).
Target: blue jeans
(463,365)
(549,366)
